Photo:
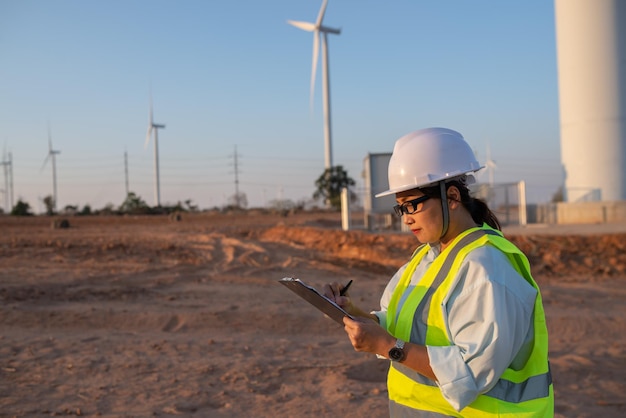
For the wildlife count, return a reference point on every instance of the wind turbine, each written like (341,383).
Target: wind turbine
(491,166)
(321,31)
(52,157)
(153,127)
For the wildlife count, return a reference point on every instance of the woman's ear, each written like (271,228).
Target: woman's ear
(454,197)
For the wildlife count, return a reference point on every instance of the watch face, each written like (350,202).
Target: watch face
(396,354)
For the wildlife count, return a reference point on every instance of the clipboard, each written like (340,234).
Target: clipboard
(315,298)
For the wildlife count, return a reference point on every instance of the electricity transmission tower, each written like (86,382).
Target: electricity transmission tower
(238,199)
(7,165)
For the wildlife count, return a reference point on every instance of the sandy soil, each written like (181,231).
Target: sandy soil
(138,317)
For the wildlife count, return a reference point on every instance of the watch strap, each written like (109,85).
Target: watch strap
(400,344)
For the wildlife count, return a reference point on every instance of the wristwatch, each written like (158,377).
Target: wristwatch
(397,351)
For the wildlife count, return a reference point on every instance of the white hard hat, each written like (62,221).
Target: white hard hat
(427,156)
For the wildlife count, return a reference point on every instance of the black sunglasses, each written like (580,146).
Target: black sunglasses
(410,206)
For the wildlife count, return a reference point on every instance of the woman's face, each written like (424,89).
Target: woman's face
(426,222)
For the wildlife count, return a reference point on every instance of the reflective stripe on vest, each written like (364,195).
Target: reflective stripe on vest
(527,392)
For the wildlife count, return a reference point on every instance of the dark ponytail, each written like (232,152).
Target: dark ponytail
(480,212)
(477,208)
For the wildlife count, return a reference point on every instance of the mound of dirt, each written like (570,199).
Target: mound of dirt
(551,256)
(589,256)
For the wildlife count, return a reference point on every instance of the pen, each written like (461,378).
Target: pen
(343,291)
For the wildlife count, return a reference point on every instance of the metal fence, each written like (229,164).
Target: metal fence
(506,200)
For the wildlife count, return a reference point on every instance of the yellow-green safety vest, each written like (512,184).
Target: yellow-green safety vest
(527,392)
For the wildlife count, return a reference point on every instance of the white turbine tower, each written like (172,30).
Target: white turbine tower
(153,127)
(52,157)
(321,31)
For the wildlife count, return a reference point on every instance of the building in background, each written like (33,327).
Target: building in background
(377,211)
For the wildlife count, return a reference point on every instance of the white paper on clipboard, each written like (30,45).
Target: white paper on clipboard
(315,298)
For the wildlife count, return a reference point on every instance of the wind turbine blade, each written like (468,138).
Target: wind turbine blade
(320,16)
(44,163)
(148,135)
(151,115)
(316,47)
(307,26)
(49,141)
(150,124)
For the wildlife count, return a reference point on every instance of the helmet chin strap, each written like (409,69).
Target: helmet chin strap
(444,208)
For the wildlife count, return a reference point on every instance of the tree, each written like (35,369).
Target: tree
(134,204)
(21,208)
(86,210)
(108,209)
(238,201)
(281,204)
(70,209)
(190,206)
(559,195)
(48,201)
(330,183)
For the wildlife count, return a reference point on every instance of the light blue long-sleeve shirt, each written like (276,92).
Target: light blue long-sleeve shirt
(488,315)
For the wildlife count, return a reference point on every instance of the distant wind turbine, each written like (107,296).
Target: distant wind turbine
(321,31)
(153,127)
(52,157)
(491,166)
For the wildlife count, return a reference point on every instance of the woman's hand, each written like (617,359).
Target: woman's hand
(368,336)
(333,292)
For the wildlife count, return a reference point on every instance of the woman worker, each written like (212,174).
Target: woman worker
(462,322)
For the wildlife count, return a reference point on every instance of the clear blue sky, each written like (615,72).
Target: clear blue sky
(234,73)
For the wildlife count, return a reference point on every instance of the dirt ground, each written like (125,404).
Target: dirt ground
(145,316)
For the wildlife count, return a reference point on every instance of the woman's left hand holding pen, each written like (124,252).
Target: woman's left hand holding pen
(338,293)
